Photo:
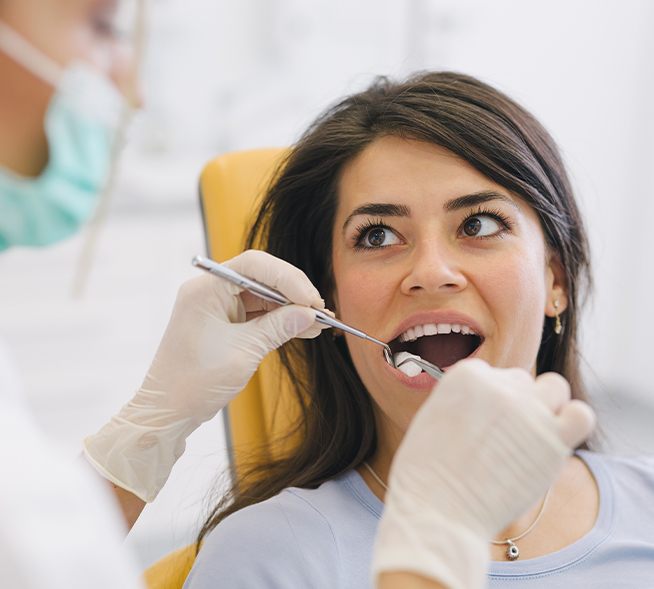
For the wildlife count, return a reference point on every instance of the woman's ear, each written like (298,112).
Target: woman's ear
(556,300)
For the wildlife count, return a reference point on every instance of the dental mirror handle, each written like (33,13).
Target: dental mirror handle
(273,296)
(256,288)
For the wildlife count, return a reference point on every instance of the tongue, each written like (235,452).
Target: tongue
(446,349)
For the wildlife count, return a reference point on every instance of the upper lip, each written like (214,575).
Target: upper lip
(436,316)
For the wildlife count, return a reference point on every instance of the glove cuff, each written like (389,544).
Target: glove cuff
(136,457)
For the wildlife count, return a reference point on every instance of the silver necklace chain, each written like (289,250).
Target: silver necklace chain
(512,551)
(375,476)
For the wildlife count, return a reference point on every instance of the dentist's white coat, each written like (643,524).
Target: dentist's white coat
(58,524)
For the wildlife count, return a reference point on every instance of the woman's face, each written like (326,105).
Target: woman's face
(70,30)
(426,244)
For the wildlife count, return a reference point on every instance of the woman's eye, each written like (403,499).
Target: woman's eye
(105,28)
(482,226)
(108,22)
(377,237)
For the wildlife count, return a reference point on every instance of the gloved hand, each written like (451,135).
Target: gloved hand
(216,338)
(484,447)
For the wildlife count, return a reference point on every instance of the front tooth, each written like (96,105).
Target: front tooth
(456,328)
(410,369)
(430,329)
(444,328)
(419,331)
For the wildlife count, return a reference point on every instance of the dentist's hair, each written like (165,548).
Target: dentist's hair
(481,125)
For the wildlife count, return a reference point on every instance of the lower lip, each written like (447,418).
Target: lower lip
(423,381)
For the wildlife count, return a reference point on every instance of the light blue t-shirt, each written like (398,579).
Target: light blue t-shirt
(323,538)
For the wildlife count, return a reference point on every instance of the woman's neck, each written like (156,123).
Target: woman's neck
(389,438)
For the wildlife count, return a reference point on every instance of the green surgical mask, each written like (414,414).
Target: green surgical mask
(80,128)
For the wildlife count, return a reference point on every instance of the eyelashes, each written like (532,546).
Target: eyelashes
(469,228)
(362,231)
(496,215)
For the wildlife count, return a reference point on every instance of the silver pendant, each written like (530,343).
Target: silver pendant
(512,552)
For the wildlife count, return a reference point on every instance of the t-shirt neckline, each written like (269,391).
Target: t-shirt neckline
(540,565)
(579,549)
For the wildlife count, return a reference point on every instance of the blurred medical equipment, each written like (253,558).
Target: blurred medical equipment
(129,106)
(273,296)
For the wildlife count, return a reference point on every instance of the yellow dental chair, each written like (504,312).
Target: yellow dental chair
(230,188)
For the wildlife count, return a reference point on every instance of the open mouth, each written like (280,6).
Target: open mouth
(442,344)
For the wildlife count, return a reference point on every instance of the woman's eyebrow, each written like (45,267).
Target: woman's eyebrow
(379,209)
(476,198)
(382,209)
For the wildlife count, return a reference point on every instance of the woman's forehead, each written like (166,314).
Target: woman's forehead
(397,169)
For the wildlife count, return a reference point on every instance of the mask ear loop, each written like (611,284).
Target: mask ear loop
(87,254)
(28,56)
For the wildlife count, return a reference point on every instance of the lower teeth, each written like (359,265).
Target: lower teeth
(410,369)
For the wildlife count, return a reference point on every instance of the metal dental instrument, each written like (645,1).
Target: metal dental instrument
(270,294)
(431,369)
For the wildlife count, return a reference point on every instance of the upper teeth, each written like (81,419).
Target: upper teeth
(413,333)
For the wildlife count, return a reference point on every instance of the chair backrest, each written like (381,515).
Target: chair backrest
(230,188)
(171,571)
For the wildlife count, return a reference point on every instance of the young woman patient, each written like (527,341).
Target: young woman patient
(434,214)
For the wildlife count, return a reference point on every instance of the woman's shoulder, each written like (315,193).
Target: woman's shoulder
(628,476)
(640,465)
(328,507)
(293,539)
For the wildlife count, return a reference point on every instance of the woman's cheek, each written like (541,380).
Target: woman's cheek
(515,296)
(359,295)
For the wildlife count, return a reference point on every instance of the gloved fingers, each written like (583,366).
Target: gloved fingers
(278,274)
(258,307)
(317,328)
(553,390)
(277,327)
(576,422)
(255,305)
(514,379)
(314,331)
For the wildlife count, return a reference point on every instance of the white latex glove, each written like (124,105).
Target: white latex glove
(211,348)
(484,447)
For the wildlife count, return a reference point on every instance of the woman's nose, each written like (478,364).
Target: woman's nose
(434,267)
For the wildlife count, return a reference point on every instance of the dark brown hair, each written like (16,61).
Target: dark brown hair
(472,120)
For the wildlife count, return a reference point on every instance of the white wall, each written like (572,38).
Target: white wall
(229,75)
